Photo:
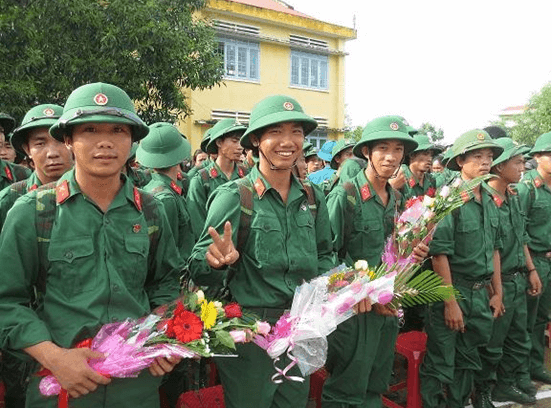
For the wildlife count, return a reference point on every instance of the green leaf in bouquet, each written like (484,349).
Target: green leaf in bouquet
(427,287)
(225,339)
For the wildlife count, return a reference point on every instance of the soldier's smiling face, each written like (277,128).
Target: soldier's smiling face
(282,144)
(100,149)
(385,157)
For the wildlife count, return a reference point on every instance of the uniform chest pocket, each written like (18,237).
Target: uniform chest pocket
(135,267)
(72,266)
(367,240)
(267,238)
(304,237)
(468,239)
(538,212)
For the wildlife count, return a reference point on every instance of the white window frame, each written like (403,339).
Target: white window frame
(317,138)
(308,70)
(236,50)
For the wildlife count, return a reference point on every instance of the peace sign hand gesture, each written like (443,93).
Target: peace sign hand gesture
(222,251)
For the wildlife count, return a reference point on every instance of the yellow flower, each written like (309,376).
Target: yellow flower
(371,275)
(335,277)
(208,314)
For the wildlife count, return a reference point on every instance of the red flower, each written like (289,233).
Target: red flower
(411,201)
(185,328)
(431,192)
(232,310)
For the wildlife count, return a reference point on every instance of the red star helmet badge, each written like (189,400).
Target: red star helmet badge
(480,136)
(214,172)
(137,199)
(365,192)
(136,228)
(100,99)
(8,172)
(176,188)
(33,187)
(62,192)
(394,126)
(288,106)
(48,112)
(259,187)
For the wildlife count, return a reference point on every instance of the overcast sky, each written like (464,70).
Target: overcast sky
(454,64)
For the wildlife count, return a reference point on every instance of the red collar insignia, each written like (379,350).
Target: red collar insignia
(411,182)
(498,201)
(538,181)
(62,192)
(365,192)
(214,173)
(179,176)
(240,172)
(260,188)
(137,199)
(33,187)
(8,173)
(176,188)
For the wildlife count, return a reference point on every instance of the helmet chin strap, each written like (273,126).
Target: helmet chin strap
(272,166)
(378,176)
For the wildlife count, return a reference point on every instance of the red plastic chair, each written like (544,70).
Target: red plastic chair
(2,392)
(211,397)
(412,346)
(317,380)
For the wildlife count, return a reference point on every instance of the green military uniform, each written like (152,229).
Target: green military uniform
(504,356)
(468,237)
(414,187)
(286,244)
(13,192)
(447,175)
(535,199)
(100,269)
(11,173)
(360,351)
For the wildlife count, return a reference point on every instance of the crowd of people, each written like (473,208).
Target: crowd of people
(105,218)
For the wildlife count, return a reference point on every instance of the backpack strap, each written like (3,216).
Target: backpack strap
(311,197)
(350,189)
(151,214)
(20,188)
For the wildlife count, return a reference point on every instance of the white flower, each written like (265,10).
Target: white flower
(457,183)
(428,201)
(429,215)
(200,296)
(361,265)
(444,192)
(217,304)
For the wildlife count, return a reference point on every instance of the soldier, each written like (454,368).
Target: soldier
(437,165)
(534,193)
(138,175)
(314,163)
(51,159)
(276,235)
(415,178)
(162,151)
(447,175)
(325,153)
(504,356)
(465,253)
(360,351)
(96,250)
(205,160)
(224,141)
(9,172)
(7,152)
(341,152)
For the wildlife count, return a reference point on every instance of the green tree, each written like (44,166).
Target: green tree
(354,133)
(435,135)
(150,48)
(534,121)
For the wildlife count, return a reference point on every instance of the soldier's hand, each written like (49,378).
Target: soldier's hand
(222,251)
(420,252)
(71,369)
(398,182)
(384,310)
(496,305)
(535,284)
(454,318)
(364,306)
(162,365)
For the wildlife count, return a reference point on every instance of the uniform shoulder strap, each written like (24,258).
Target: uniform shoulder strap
(45,215)
(151,214)
(20,188)
(311,197)
(245,189)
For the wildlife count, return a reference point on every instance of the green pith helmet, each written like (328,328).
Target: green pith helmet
(469,141)
(40,116)
(341,145)
(424,144)
(205,140)
(276,109)
(133,150)
(99,103)
(511,149)
(385,128)
(524,149)
(542,144)
(307,146)
(163,147)
(7,122)
(223,128)
(312,152)
(446,156)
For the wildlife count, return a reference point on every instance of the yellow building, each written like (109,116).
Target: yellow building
(270,48)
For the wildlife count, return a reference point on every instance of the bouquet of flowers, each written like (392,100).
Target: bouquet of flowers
(190,326)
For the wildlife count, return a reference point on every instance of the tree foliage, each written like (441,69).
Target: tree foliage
(534,121)
(354,133)
(435,135)
(150,48)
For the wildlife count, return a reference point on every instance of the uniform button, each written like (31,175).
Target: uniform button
(69,254)
(107,222)
(115,288)
(293,262)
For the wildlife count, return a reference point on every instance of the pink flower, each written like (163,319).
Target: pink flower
(238,336)
(340,283)
(263,328)
(385,297)
(356,287)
